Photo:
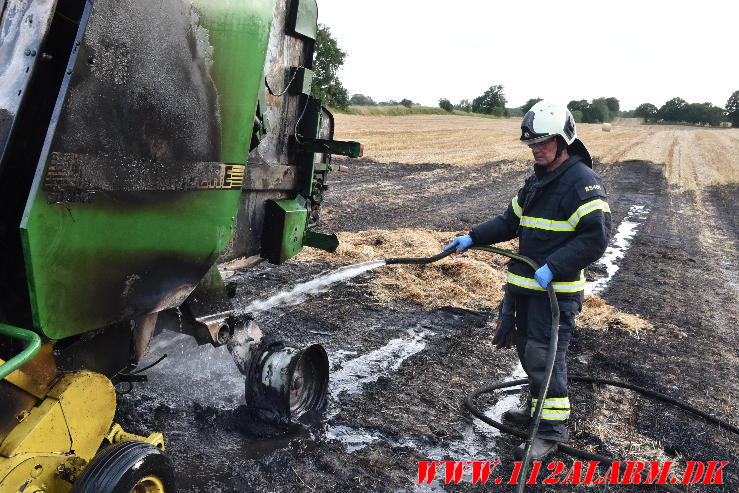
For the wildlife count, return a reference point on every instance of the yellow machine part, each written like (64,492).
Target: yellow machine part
(61,434)
(117,435)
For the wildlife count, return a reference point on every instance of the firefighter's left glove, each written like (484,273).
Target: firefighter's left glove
(504,332)
(543,276)
(503,337)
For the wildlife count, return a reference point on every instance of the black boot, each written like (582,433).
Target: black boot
(520,415)
(541,449)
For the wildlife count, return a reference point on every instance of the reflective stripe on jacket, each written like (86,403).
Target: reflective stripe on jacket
(562,219)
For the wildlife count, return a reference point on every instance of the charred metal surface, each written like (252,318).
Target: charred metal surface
(143,329)
(284,55)
(308,127)
(151,283)
(107,350)
(271,177)
(320,173)
(6,123)
(72,177)
(211,297)
(276,172)
(141,95)
(326,132)
(183,321)
(277,373)
(25,143)
(242,345)
(247,238)
(23,28)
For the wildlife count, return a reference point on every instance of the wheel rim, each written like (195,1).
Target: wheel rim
(149,484)
(303,387)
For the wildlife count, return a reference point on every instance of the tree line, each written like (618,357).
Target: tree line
(362,100)
(329,57)
(677,110)
(490,102)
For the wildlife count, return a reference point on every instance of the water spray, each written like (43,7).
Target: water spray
(283,383)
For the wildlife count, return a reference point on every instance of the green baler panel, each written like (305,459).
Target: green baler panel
(284,228)
(306,17)
(156,85)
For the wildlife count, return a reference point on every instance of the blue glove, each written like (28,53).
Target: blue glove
(543,276)
(461,243)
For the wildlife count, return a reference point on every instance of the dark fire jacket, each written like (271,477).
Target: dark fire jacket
(562,219)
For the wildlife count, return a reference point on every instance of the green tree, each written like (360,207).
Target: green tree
(581,105)
(703,114)
(361,100)
(614,106)
(406,102)
(464,105)
(328,59)
(715,116)
(492,98)
(673,110)
(529,104)
(597,112)
(648,111)
(732,109)
(446,105)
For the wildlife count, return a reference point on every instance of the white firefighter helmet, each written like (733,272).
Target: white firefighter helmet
(547,119)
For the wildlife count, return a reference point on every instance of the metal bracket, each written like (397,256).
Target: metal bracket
(343,148)
(321,240)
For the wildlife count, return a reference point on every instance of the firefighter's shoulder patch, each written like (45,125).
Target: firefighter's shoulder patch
(590,188)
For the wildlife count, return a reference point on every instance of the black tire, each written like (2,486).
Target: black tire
(120,467)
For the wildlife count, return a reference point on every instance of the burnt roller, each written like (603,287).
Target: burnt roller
(142,143)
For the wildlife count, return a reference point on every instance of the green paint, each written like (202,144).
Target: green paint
(285,222)
(321,240)
(310,131)
(84,260)
(239,33)
(303,81)
(90,265)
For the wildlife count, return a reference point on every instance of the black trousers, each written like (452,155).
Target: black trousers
(533,326)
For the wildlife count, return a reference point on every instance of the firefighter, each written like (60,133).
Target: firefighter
(563,223)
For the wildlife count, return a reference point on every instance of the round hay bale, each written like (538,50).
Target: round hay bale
(606,127)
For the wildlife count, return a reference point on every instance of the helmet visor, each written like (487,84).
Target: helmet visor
(535,140)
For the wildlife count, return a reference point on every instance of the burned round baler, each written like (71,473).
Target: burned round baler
(141,143)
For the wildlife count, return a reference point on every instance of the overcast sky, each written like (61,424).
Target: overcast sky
(638,51)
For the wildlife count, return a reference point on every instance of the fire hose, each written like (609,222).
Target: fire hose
(553,339)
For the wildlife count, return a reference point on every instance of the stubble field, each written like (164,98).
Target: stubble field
(693,157)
